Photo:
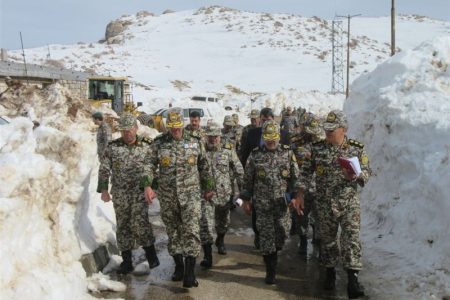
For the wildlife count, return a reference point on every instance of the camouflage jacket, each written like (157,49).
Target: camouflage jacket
(230,137)
(123,164)
(329,176)
(302,148)
(290,124)
(103,137)
(269,174)
(182,164)
(226,167)
(196,132)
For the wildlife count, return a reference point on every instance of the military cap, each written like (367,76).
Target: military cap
(313,125)
(271,131)
(127,121)
(213,129)
(254,114)
(97,115)
(145,119)
(175,118)
(335,119)
(228,120)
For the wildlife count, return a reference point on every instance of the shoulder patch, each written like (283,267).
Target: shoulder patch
(228,146)
(355,143)
(286,147)
(147,140)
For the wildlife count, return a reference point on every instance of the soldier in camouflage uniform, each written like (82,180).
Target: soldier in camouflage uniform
(289,122)
(338,200)
(184,173)
(254,123)
(312,132)
(103,134)
(271,169)
(225,167)
(237,131)
(123,162)
(194,127)
(228,132)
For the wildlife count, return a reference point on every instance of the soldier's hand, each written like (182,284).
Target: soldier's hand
(149,194)
(106,197)
(208,195)
(247,207)
(348,175)
(299,205)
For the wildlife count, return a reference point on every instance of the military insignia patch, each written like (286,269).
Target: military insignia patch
(319,170)
(261,173)
(191,160)
(314,124)
(364,160)
(285,173)
(331,117)
(165,161)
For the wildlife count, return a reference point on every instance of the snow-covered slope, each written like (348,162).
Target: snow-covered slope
(226,51)
(401,111)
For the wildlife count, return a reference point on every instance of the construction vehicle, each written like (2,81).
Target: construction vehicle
(114,92)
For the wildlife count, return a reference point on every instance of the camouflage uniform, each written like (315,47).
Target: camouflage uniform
(313,133)
(237,132)
(181,164)
(225,168)
(289,122)
(268,175)
(196,132)
(103,137)
(123,164)
(338,200)
(229,135)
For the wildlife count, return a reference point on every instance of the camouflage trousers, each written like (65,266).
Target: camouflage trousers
(133,225)
(273,224)
(217,216)
(181,215)
(349,219)
(303,221)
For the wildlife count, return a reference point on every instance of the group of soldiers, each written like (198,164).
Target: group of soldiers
(282,173)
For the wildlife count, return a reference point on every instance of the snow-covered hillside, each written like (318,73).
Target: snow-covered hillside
(50,213)
(230,52)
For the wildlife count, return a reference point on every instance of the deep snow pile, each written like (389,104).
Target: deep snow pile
(401,111)
(49,212)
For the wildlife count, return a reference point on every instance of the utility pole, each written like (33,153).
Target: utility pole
(348,51)
(23,54)
(393,28)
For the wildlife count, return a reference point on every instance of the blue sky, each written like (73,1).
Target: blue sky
(69,21)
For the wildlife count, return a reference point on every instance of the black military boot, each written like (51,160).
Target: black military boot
(303,247)
(220,244)
(189,275)
(179,268)
(126,266)
(271,266)
(330,279)
(354,290)
(150,254)
(207,260)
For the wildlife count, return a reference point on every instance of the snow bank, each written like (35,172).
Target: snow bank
(49,212)
(401,111)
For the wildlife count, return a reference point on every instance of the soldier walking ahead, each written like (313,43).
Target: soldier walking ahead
(123,161)
(338,200)
(181,161)
(226,168)
(271,169)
